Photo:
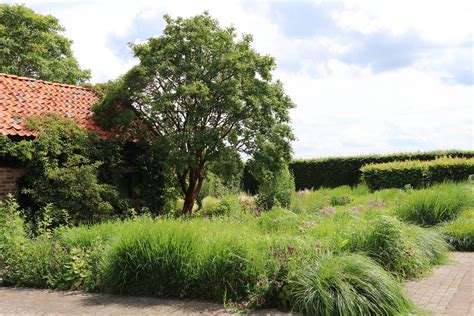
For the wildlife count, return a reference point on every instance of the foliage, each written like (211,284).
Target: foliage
(62,171)
(435,205)
(340,200)
(416,173)
(212,185)
(276,189)
(210,202)
(401,249)
(460,232)
(337,171)
(309,201)
(192,262)
(278,258)
(278,219)
(201,94)
(346,285)
(32,45)
(12,233)
(157,190)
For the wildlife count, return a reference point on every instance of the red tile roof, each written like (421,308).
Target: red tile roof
(22,97)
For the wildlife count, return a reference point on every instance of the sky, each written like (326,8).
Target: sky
(367,76)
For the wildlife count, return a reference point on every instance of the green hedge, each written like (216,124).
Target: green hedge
(336,171)
(416,173)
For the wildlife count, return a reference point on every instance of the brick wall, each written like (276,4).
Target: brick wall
(9,181)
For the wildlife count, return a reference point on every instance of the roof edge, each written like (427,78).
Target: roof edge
(52,83)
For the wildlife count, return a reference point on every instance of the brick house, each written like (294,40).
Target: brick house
(22,97)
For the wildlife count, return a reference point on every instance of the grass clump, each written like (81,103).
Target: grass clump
(405,250)
(346,285)
(278,220)
(460,232)
(434,205)
(184,259)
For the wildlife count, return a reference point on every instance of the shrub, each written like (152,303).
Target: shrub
(210,202)
(12,233)
(76,188)
(63,169)
(346,285)
(336,171)
(212,186)
(276,189)
(434,205)
(212,206)
(460,232)
(416,173)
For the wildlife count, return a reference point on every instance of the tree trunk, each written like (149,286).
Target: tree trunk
(192,190)
(189,199)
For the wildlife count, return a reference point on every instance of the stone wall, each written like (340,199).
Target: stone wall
(9,181)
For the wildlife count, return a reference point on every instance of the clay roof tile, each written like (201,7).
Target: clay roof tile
(22,97)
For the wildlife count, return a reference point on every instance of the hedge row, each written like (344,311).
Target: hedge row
(416,173)
(336,171)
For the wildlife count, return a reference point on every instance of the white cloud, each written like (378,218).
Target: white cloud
(439,21)
(341,108)
(353,111)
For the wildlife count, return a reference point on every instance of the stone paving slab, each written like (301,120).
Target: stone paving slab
(27,301)
(449,290)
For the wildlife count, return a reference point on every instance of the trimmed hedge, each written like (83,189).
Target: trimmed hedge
(332,172)
(417,174)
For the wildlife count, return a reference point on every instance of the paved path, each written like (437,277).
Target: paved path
(25,301)
(16,301)
(449,290)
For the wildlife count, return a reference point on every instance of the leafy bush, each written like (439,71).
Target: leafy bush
(336,171)
(62,169)
(276,189)
(212,206)
(12,234)
(346,285)
(212,186)
(416,173)
(434,205)
(209,202)
(76,188)
(460,232)
(43,261)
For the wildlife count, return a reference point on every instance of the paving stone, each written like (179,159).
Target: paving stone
(449,290)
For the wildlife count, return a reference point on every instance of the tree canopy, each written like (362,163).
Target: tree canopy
(201,93)
(32,45)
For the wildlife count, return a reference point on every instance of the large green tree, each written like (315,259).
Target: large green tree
(202,94)
(32,45)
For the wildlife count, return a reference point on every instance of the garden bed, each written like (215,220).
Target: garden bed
(332,251)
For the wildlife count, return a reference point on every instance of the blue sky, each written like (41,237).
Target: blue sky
(367,76)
